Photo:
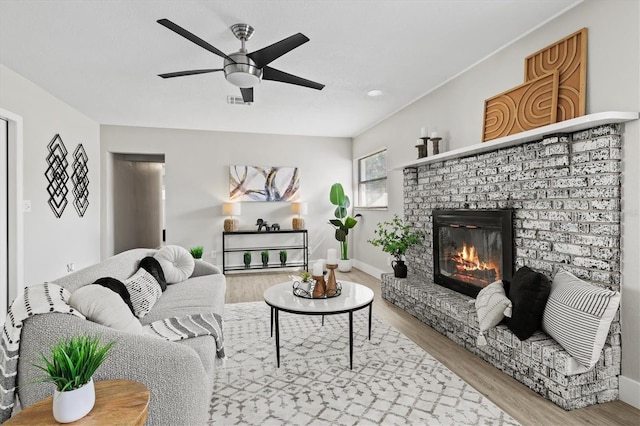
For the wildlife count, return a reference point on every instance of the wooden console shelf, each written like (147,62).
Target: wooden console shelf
(303,245)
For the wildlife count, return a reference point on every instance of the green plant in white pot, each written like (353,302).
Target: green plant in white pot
(342,224)
(71,367)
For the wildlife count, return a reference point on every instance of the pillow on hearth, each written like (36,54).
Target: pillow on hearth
(104,306)
(152,266)
(528,292)
(144,290)
(176,262)
(578,316)
(492,305)
(117,286)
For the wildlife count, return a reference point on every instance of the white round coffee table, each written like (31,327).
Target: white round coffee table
(353,297)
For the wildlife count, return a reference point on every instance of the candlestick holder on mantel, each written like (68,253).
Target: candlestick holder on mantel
(436,145)
(422,148)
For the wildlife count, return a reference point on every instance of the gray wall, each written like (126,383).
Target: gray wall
(51,243)
(197,181)
(456,109)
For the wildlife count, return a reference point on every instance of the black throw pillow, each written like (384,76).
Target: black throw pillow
(117,286)
(528,291)
(152,266)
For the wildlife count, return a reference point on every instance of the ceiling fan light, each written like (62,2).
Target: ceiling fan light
(242,79)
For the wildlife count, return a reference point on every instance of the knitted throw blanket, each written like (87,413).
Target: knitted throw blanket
(37,299)
(187,326)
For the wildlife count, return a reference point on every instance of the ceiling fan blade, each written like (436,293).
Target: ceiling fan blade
(190,72)
(247,94)
(273,74)
(192,37)
(268,54)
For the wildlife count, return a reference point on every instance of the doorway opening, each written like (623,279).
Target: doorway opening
(138,201)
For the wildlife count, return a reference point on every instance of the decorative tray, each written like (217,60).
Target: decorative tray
(306,292)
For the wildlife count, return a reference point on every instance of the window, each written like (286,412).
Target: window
(372,180)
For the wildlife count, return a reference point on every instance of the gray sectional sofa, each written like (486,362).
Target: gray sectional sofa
(179,375)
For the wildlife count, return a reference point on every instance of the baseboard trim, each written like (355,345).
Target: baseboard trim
(630,391)
(368,269)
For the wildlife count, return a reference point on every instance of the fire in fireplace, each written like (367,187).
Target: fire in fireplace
(472,248)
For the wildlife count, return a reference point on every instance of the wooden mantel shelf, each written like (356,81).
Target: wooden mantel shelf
(567,126)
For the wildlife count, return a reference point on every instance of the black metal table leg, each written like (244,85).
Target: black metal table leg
(277,336)
(272,321)
(351,340)
(370,306)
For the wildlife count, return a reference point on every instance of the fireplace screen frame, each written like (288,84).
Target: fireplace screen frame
(489,219)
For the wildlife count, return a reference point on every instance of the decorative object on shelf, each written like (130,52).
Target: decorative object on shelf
(80,179)
(300,209)
(246,258)
(72,365)
(525,107)
(435,141)
(342,223)
(262,224)
(251,183)
(57,176)
(196,252)
(283,257)
(275,227)
(264,255)
(319,288)
(422,147)
(395,237)
(569,57)
(231,210)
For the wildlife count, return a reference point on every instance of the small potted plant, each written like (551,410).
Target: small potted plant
(342,223)
(283,257)
(71,367)
(196,252)
(246,258)
(264,255)
(395,237)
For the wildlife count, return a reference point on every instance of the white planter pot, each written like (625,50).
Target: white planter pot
(344,265)
(73,405)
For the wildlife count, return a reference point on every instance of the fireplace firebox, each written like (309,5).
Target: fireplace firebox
(472,248)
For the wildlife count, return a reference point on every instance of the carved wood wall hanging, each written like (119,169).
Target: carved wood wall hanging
(524,107)
(57,176)
(569,56)
(528,106)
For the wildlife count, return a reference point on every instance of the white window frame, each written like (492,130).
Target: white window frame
(356,172)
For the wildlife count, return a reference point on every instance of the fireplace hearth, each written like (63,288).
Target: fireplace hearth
(472,248)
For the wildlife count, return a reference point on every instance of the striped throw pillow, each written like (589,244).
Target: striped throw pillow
(578,316)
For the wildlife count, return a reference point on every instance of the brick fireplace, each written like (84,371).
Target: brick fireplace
(564,192)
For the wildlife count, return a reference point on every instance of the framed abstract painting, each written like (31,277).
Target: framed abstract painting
(255,183)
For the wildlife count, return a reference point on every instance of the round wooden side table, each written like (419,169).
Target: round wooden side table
(118,402)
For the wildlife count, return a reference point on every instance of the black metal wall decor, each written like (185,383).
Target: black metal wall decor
(57,176)
(80,179)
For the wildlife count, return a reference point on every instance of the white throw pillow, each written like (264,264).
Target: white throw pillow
(578,316)
(177,263)
(492,305)
(104,306)
(144,291)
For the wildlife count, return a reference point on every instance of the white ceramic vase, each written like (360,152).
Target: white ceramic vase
(75,404)
(344,265)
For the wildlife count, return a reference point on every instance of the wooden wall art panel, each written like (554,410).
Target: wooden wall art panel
(530,105)
(569,56)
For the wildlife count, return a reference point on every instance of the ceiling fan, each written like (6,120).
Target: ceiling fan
(244,69)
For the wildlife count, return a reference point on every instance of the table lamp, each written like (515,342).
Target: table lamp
(231,210)
(300,209)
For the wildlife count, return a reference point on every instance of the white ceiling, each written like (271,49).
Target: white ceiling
(102,56)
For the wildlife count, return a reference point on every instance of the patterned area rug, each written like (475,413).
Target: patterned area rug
(393,381)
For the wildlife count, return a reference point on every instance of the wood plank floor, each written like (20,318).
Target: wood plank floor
(516,399)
